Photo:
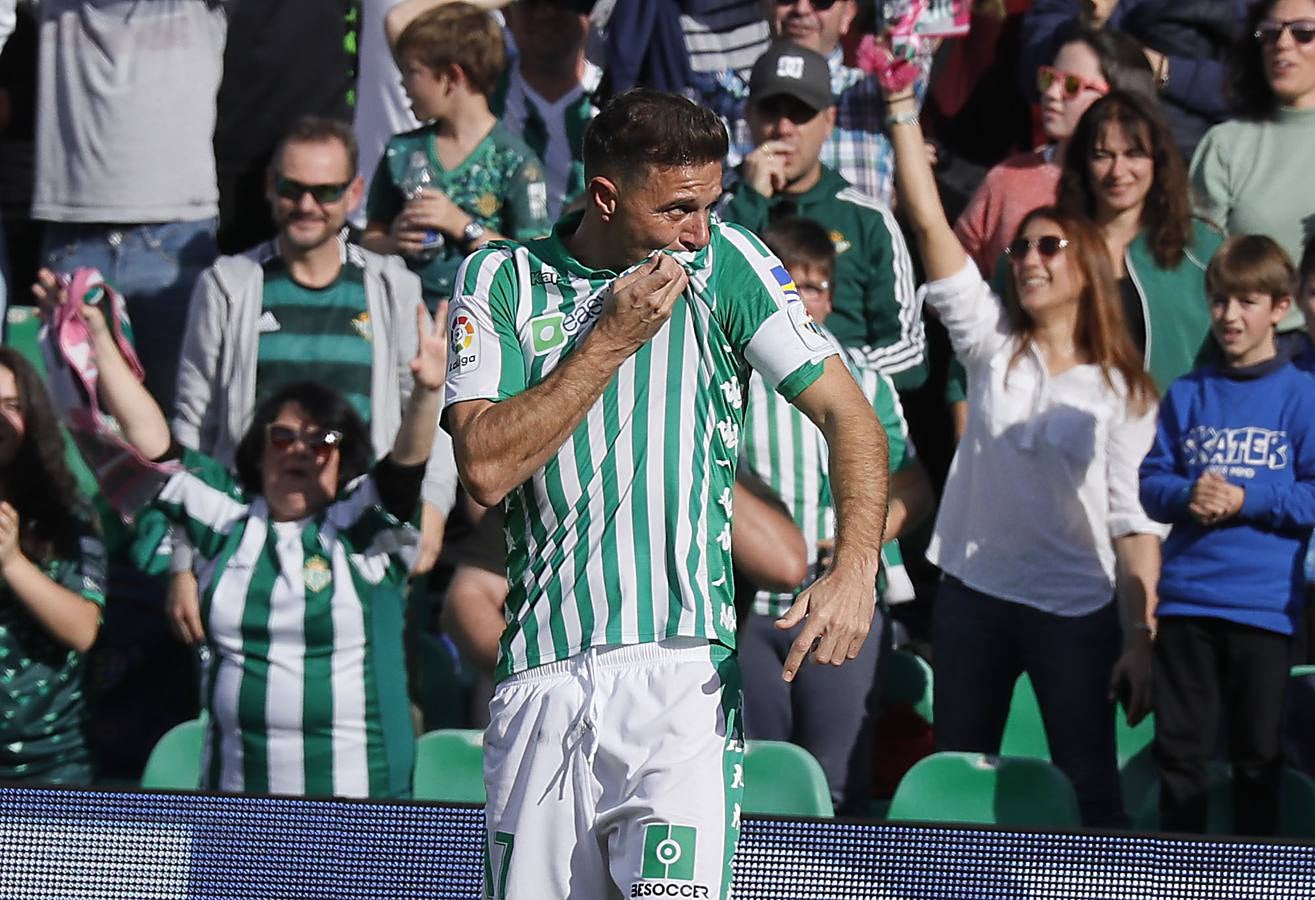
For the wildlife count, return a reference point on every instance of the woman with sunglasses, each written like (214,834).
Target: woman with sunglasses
(1253,175)
(52,571)
(1040,516)
(1123,170)
(1085,68)
(303,557)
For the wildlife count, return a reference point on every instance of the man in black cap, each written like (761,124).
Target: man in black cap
(790,115)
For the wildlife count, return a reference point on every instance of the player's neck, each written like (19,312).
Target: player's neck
(590,246)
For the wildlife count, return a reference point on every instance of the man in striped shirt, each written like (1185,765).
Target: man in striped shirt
(596,389)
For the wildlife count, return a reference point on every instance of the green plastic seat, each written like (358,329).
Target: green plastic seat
(907,678)
(986,790)
(450,766)
(175,760)
(1025,733)
(1296,804)
(783,779)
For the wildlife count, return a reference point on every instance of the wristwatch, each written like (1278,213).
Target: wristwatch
(472,233)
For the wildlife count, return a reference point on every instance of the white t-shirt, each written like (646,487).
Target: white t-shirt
(1046,474)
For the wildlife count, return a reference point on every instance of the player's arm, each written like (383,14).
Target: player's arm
(500,445)
(839,605)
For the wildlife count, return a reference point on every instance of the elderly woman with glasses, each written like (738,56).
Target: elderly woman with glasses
(1085,68)
(1040,525)
(303,561)
(1253,175)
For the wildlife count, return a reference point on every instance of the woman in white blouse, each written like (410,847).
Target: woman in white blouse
(1040,517)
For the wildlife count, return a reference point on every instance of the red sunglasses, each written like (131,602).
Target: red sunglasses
(1071,84)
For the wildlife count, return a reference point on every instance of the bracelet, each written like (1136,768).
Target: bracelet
(910,118)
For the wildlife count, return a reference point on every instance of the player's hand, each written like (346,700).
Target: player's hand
(433,210)
(837,614)
(764,168)
(182,606)
(1214,499)
(641,302)
(430,364)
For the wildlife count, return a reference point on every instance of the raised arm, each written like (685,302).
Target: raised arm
(500,445)
(126,398)
(839,605)
(415,436)
(942,254)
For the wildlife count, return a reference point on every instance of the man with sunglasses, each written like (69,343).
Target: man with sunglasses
(791,115)
(306,306)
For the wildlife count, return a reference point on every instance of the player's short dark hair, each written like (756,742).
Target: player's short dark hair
(798,240)
(457,34)
(642,128)
(317,130)
(1250,264)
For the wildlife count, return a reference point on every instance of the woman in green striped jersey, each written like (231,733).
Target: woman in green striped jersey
(52,572)
(304,558)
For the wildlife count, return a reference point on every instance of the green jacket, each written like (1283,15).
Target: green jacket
(875,305)
(1175,310)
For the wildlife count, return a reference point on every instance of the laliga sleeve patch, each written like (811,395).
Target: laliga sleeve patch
(809,332)
(464,354)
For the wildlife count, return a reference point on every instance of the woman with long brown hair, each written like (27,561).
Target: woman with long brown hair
(1124,171)
(1040,517)
(52,568)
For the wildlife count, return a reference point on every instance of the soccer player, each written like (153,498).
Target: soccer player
(596,389)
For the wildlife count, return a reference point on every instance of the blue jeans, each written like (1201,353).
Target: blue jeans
(982,644)
(155,267)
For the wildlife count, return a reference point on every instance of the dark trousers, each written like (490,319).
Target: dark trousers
(982,644)
(827,710)
(1206,668)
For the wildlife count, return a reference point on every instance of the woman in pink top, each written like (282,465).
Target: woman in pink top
(1084,69)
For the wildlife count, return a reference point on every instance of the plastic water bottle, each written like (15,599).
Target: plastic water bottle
(417,177)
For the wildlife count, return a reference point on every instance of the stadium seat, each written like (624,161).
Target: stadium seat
(907,678)
(986,790)
(783,779)
(1025,733)
(1296,806)
(450,766)
(175,760)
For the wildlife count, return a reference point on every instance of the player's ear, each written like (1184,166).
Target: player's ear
(604,196)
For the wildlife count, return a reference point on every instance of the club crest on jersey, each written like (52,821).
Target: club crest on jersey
(787,284)
(316,574)
(362,325)
(463,356)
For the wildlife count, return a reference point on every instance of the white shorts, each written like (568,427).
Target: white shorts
(616,773)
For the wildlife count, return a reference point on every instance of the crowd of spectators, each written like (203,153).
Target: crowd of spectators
(284,192)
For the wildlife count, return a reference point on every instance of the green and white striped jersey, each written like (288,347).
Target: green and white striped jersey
(787,451)
(624,537)
(306,682)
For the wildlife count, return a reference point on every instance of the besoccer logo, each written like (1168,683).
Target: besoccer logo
(546,333)
(669,852)
(465,344)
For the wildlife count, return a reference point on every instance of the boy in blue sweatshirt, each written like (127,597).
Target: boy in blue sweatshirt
(1233,470)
